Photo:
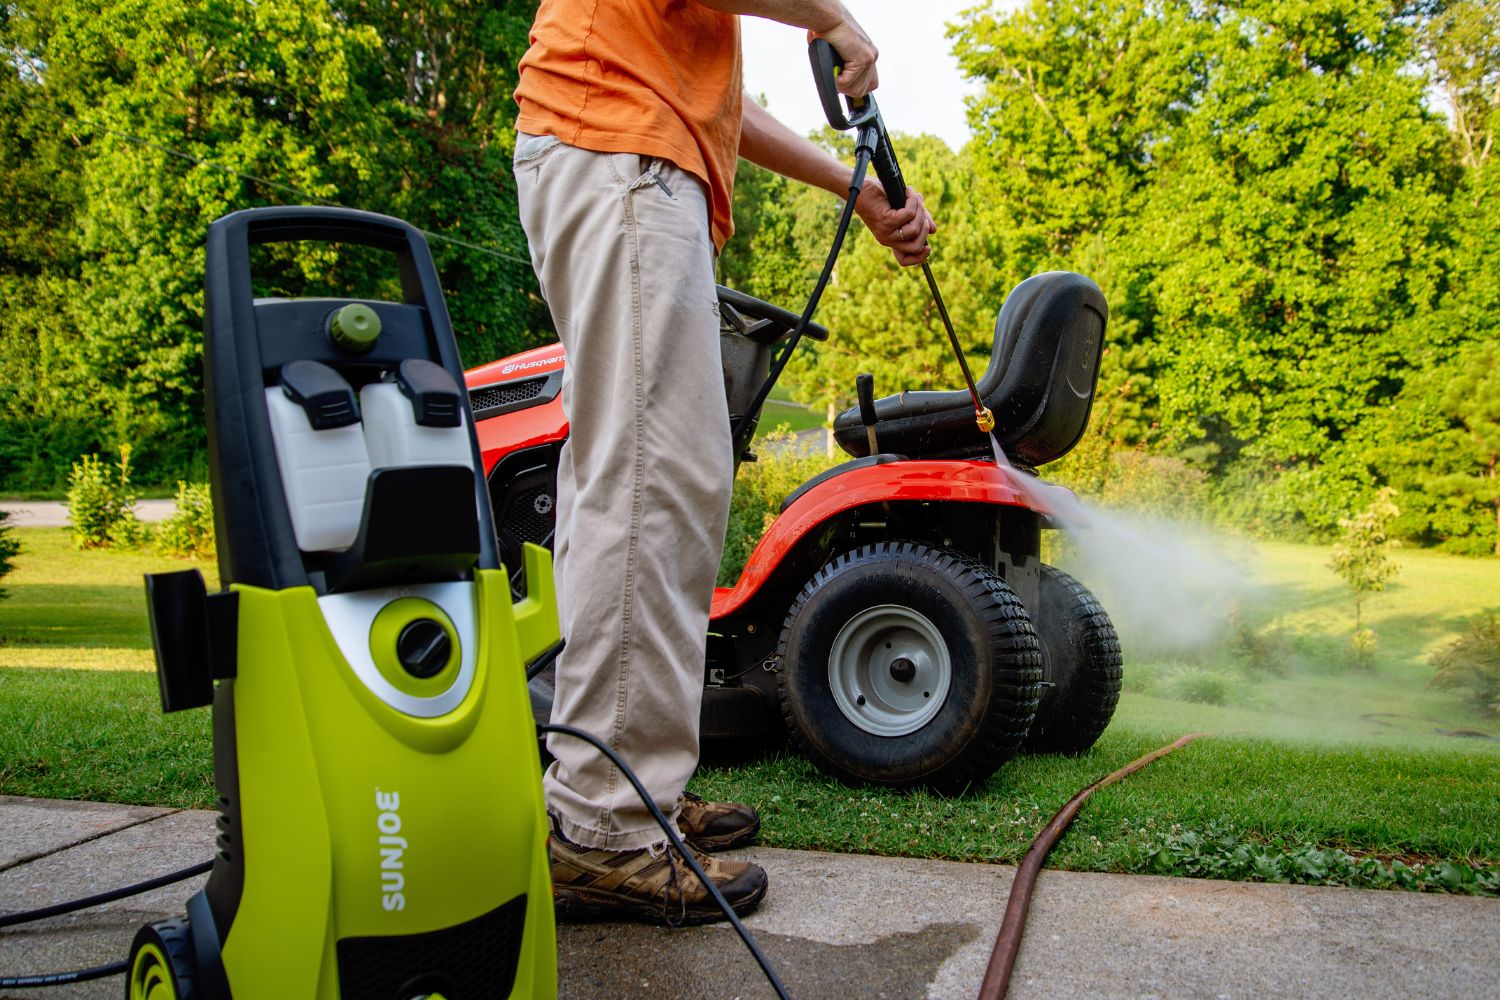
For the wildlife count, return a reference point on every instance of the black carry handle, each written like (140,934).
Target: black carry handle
(863,114)
(329,224)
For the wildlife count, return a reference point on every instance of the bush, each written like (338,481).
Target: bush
(1473,662)
(1202,686)
(9,548)
(1259,650)
(759,489)
(189,532)
(101,503)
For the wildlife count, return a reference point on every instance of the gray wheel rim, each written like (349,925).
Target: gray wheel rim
(864,685)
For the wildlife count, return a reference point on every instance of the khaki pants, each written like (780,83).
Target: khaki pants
(622,249)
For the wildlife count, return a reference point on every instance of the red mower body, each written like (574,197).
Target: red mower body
(821,637)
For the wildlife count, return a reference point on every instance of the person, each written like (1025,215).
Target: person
(630,126)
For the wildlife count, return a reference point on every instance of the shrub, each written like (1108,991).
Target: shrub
(1202,686)
(759,489)
(101,503)
(1473,661)
(1260,650)
(9,548)
(189,532)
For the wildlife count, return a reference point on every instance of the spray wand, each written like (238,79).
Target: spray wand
(864,114)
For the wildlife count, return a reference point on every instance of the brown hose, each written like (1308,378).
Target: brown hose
(1003,959)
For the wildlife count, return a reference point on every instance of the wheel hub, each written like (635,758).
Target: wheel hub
(889,670)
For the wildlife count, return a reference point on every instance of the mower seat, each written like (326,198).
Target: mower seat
(1039,384)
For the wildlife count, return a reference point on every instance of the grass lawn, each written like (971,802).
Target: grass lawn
(779,409)
(1313,772)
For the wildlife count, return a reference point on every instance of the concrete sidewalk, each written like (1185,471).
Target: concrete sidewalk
(840,926)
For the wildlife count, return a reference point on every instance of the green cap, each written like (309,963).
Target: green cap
(354,327)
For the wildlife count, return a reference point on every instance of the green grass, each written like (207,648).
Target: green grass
(80,716)
(795,416)
(1307,758)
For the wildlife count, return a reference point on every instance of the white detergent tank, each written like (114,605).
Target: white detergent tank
(394,438)
(323,473)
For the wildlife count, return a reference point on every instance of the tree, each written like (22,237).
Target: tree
(1082,101)
(1361,557)
(151,119)
(1472,401)
(10,547)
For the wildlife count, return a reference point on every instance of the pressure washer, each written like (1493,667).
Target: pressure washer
(381,830)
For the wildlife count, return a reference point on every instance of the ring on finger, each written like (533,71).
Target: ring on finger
(901,233)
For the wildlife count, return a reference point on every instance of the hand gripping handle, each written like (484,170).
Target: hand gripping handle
(863,113)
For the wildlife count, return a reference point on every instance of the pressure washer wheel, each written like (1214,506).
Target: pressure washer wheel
(1081,667)
(161,963)
(906,665)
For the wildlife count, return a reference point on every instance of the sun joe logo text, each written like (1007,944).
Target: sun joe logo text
(392,847)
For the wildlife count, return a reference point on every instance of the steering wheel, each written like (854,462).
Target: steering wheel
(773,323)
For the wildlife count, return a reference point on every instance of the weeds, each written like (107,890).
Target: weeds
(101,503)
(189,532)
(1219,851)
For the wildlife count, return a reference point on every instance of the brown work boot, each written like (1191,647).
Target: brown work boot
(716,826)
(652,886)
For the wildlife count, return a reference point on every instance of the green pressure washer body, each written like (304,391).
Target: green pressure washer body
(382,834)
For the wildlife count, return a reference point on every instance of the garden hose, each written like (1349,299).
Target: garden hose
(57,909)
(1008,942)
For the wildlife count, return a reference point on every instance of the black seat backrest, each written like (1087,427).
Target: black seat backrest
(1040,383)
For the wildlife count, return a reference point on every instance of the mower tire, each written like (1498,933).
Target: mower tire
(1081,667)
(161,963)
(905,665)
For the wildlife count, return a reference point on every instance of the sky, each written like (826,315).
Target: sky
(921,89)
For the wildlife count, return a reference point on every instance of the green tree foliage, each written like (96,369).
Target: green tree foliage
(134,124)
(1472,401)
(1295,247)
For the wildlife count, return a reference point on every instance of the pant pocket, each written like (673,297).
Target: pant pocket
(530,147)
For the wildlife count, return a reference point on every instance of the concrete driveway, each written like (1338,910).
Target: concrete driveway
(841,926)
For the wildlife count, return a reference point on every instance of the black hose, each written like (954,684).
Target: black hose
(545,660)
(746,430)
(63,978)
(57,909)
(27,916)
(676,841)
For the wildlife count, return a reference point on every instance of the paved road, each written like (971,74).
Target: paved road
(843,926)
(53,514)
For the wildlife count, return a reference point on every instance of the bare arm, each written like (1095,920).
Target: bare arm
(822,19)
(770,144)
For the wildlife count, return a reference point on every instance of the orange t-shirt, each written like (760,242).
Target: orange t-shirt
(654,77)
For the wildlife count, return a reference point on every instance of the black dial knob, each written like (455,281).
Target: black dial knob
(423,648)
